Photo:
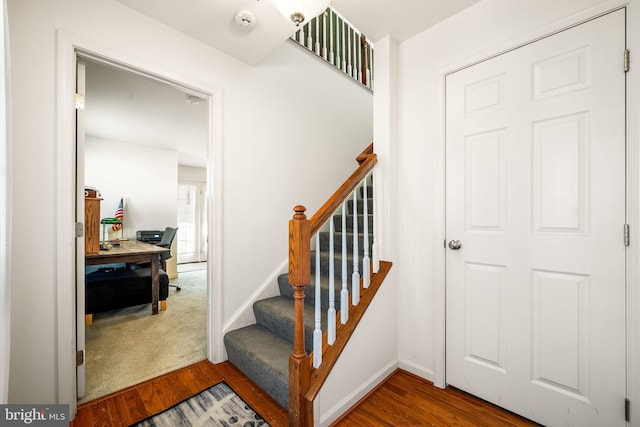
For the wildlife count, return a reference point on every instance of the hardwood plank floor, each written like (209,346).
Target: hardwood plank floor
(401,400)
(138,402)
(404,399)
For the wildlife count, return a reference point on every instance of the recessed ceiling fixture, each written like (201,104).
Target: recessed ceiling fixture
(300,11)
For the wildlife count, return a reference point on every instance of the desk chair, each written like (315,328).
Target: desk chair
(166,241)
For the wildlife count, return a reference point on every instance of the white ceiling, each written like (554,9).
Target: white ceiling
(400,19)
(212,21)
(124,106)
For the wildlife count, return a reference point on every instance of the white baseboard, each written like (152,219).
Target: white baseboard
(416,369)
(345,404)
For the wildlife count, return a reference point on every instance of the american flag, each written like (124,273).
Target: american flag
(120,215)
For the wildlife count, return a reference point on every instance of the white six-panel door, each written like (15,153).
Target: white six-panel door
(535,195)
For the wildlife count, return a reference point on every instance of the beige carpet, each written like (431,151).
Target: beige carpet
(129,346)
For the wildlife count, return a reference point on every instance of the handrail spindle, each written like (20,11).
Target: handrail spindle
(366,261)
(375,246)
(317,332)
(324,34)
(331,312)
(331,39)
(349,52)
(317,21)
(355,70)
(299,35)
(365,64)
(355,276)
(344,293)
(342,51)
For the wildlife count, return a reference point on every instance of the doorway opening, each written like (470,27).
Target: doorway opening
(192,212)
(139,132)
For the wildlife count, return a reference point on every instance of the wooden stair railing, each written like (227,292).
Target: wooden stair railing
(333,38)
(363,156)
(305,381)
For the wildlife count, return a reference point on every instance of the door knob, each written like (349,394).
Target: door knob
(455,244)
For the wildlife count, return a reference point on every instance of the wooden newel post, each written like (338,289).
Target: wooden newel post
(299,276)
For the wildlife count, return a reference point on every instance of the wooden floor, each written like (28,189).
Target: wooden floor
(406,400)
(402,400)
(136,403)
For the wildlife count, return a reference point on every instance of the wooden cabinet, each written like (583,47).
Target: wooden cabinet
(91,225)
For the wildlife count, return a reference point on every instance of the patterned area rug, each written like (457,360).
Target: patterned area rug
(216,406)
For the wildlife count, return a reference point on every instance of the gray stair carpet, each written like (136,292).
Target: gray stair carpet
(262,351)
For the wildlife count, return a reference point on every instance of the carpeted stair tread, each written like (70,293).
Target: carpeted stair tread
(277,315)
(263,356)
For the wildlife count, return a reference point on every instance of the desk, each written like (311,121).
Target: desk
(134,251)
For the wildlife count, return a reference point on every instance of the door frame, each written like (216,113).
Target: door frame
(199,217)
(633,189)
(67,49)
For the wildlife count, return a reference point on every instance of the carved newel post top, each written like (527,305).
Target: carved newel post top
(299,212)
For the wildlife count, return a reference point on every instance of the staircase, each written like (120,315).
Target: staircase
(261,351)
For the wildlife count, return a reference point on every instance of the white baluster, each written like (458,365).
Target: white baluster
(349,59)
(309,36)
(317,21)
(327,14)
(301,36)
(317,332)
(344,293)
(354,72)
(331,313)
(331,38)
(366,260)
(355,276)
(376,245)
(344,63)
(369,63)
(359,44)
(371,76)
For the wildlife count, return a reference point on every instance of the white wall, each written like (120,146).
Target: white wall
(290,130)
(487,27)
(295,116)
(369,357)
(146,177)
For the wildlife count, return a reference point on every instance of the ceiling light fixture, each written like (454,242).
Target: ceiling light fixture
(301,11)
